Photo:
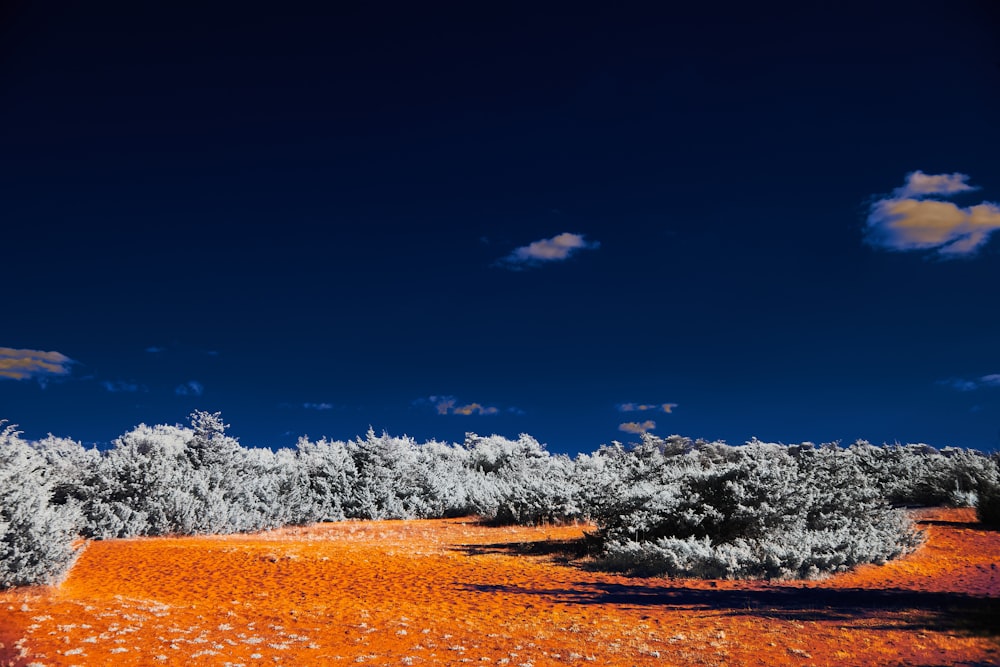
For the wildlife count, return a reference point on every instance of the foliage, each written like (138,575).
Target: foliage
(760,510)
(35,535)
(921,475)
(671,506)
(988,503)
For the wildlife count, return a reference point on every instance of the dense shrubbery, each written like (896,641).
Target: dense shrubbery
(525,484)
(922,475)
(988,503)
(35,535)
(681,508)
(671,506)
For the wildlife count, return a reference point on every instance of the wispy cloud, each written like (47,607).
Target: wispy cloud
(645,407)
(992,380)
(448,405)
(119,386)
(153,349)
(907,220)
(32,364)
(637,427)
(318,406)
(191,388)
(545,251)
(962,384)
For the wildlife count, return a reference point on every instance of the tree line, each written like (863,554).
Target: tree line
(664,506)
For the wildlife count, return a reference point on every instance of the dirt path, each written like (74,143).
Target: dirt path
(454,592)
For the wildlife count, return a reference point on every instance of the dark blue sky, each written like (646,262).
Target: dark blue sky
(320,217)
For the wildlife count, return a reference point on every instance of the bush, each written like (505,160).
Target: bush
(36,535)
(757,511)
(529,486)
(924,476)
(988,505)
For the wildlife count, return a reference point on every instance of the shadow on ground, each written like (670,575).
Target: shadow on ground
(964,525)
(900,609)
(896,609)
(560,550)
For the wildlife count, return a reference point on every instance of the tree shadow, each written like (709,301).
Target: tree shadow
(966,525)
(563,551)
(900,609)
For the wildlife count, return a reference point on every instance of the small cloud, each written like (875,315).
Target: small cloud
(637,427)
(122,387)
(192,388)
(474,409)
(153,349)
(556,249)
(318,406)
(919,184)
(645,407)
(32,364)
(909,221)
(961,384)
(448,405)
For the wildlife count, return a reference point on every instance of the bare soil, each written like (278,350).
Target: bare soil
(455,591)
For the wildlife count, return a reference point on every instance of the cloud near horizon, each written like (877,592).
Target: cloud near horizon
(318,406)
(448,405)
(18,364)
(644,407)
(192,388)
(908,221)
(556,249)
(637,427)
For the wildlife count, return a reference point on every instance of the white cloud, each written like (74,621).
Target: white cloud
(919,184)
(556,249)
(32,364)
(318,406)
(192,388)
(474,409)
(637,427)
(448,405)
(992,380)
(908,221)
(645,407)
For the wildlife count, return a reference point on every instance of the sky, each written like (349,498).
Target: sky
(582,222)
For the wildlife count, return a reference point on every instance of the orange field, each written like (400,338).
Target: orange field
(455,592)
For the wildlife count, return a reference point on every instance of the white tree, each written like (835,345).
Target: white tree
(35,535)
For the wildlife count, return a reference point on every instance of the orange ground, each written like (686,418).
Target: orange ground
(452,591)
